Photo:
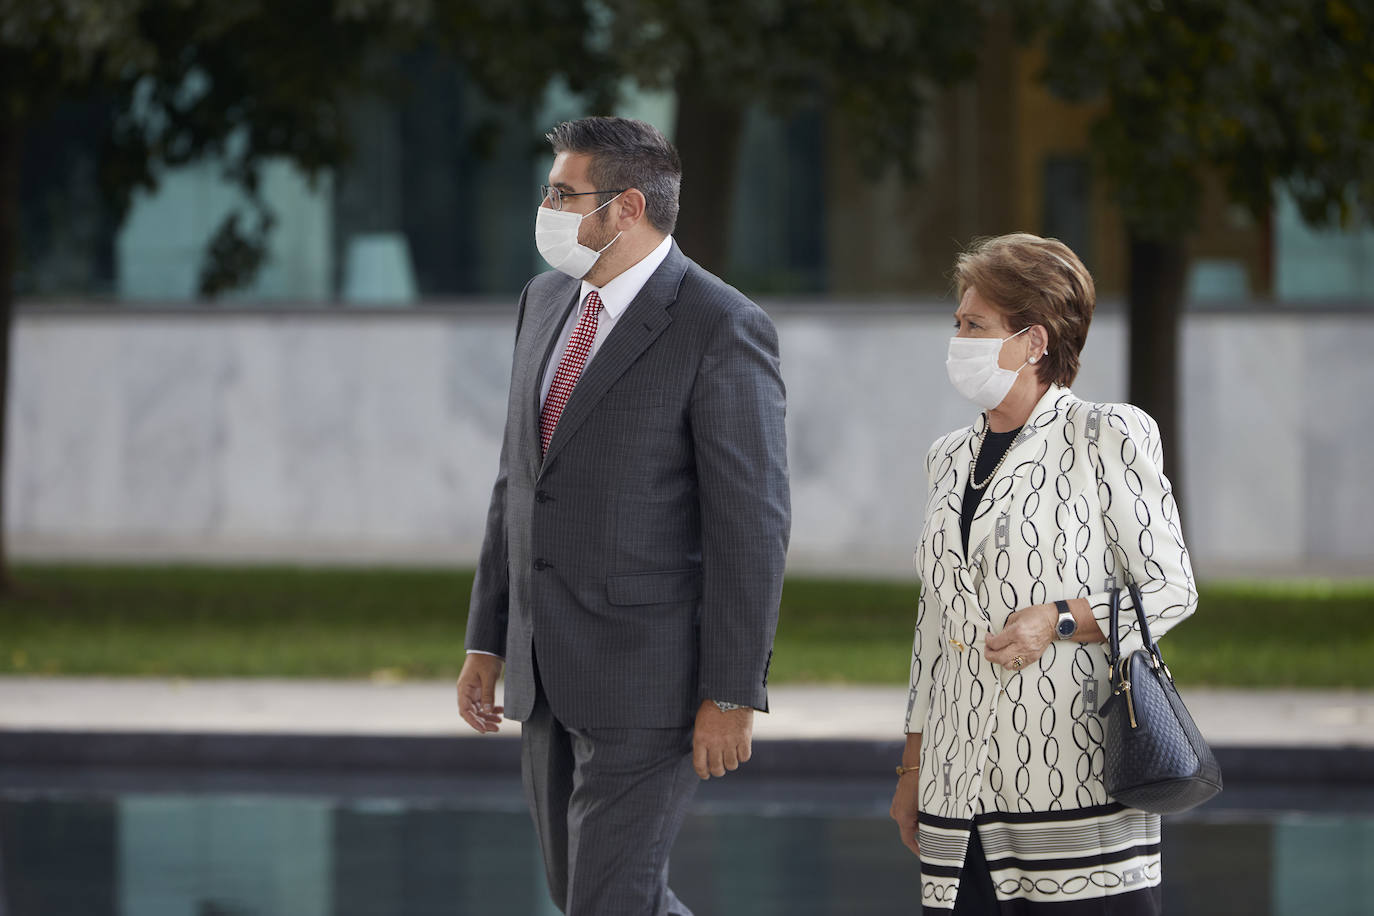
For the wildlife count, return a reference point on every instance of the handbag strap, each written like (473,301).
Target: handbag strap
(1149,640)
(1113,633)
(1113,645)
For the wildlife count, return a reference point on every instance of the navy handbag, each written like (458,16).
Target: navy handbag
(1155,759)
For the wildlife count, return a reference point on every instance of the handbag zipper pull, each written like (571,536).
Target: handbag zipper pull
(1130,705)
(1125,687)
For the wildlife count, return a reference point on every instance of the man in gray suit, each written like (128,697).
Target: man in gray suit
(633,560)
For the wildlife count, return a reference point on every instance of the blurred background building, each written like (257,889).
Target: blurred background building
(434,206)
(348,402)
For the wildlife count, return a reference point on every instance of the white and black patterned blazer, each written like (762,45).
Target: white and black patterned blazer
(1081,493)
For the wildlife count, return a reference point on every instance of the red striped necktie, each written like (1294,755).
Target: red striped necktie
(569,368)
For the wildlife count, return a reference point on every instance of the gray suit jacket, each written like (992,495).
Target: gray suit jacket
(642,558)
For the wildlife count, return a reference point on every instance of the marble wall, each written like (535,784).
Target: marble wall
(331,435)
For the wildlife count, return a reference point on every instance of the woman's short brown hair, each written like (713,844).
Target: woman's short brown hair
(1034,281)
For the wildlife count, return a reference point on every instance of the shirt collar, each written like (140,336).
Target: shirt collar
(617,295)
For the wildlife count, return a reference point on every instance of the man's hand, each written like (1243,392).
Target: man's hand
(722,740)
(477,692)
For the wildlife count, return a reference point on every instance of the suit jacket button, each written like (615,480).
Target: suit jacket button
(541,564)
(541,496)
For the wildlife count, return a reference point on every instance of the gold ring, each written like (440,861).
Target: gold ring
(1017,662)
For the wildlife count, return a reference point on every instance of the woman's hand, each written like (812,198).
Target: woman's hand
(1026,636)
(905,808)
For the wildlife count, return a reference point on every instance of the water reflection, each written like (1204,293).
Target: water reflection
(146,854)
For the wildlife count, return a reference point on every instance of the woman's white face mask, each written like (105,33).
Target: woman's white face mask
(975,372)
(555,235)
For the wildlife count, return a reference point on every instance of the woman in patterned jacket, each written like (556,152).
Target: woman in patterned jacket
(1033,515)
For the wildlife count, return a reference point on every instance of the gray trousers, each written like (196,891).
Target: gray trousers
(607,805)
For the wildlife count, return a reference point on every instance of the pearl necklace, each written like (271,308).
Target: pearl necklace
(973,465)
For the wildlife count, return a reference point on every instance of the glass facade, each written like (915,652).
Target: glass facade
(436,203)
(1321,266)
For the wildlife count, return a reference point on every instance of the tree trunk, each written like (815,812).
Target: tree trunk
(1155,301)
(707,135)
(10,140)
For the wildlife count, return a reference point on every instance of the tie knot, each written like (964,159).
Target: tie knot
(593,302)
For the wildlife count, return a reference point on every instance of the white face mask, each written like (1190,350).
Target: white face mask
(555,235)
(975,373)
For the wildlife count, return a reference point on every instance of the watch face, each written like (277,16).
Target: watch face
(1067,627)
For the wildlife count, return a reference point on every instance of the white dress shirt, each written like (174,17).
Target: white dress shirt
(616,297)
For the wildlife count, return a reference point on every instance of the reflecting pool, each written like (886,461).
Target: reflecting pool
(158,853)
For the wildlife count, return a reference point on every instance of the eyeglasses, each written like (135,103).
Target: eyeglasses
(555,197)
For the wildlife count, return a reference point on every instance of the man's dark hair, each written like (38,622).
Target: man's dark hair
(625,153)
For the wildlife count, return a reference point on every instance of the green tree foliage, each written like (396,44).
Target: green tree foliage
(1263,94)
(872,64)
(1267,94)
(514,48)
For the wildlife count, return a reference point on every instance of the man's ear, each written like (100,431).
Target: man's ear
(629,209)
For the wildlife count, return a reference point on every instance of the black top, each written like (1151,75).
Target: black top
(995,445)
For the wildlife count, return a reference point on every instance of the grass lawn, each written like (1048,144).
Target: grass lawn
(348,622)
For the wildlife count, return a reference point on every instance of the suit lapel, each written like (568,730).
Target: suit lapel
(643,321)
(951,475)
(991,528)
(544,337)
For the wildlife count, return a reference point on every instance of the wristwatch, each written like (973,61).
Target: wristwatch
(726,706)
(1066,626)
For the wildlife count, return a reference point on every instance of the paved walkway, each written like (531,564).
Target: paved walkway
(1274,718)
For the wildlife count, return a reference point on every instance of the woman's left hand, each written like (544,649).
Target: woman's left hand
(1026,636)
